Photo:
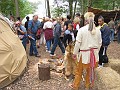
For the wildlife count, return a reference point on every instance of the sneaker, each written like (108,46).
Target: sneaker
(63,54)
(100,66)
(52,55)
(48,51)
(38,55)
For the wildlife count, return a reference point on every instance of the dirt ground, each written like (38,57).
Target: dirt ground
(30,81)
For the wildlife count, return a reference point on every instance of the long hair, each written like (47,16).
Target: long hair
(89,17)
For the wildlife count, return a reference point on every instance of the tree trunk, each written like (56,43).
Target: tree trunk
(75,8)
(71,7)
(82,7)
(48,8)
(17,8)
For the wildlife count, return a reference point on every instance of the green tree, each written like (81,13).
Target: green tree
(105,4)
(58,11)
(26,7)
(7,7)
(100,4)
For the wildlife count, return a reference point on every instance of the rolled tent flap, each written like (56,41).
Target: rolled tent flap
(13,56)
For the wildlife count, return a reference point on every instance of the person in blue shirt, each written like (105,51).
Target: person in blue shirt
(33,26)
(105,33)
(67,35)
(22,33)
(57,41)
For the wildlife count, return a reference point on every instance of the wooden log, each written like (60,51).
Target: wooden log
(107,79)
(44,71)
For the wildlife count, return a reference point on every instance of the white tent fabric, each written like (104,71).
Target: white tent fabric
(13,56)
(30,17)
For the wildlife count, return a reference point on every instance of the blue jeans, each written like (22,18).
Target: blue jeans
(24,42)
(48,43)
(112,34)
(118,37)
(33,47)
(57,41)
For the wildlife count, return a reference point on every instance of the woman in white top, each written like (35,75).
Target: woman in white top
(48,31)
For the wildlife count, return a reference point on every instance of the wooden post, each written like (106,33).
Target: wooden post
(44,71)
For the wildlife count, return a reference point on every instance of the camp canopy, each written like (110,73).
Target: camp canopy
(12,54)
(107,14)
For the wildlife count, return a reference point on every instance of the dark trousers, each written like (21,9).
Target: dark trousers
(101,54)
(75,33)
(67,39)
(57,41)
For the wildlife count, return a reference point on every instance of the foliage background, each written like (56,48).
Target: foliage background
(7,7)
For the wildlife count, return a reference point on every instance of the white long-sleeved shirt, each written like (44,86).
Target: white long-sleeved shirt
(85,41)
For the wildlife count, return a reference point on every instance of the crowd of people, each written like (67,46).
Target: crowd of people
(51,32)
(91,42)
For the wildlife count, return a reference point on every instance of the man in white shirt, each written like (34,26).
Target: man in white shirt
(88,42)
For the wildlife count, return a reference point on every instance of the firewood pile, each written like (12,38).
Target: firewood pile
(55,64)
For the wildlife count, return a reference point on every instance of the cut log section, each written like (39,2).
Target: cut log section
(44,71)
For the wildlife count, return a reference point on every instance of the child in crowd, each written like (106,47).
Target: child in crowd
(68,35)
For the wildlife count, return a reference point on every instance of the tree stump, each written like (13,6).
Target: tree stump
(44,71)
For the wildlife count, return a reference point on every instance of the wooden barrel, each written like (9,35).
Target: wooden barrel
(44,71)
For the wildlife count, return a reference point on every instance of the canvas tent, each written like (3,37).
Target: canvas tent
(13,57)
(107,14)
